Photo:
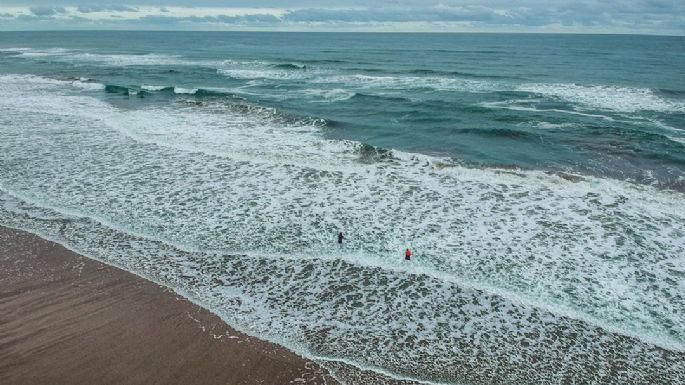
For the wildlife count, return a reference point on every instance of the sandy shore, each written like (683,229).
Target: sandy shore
(66,319)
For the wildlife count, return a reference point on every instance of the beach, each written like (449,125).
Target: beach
(67,319)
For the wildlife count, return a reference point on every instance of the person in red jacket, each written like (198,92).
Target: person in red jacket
(407,254)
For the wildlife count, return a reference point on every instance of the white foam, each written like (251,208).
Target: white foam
(436,83)
(29,53)
(15,50)
(188,91)
(129,60)
(329,95)
(530,105)
(614,98)
(70,55)
(677,139)
(265,73)
(152,88)
(88,85)
(261,70)
(550,126)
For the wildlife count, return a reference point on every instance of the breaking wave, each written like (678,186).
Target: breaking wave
(586,96)
(612,98)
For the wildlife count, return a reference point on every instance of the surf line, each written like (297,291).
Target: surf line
(382,372)
(503,292)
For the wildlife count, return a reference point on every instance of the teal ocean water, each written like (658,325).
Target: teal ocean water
(539,180)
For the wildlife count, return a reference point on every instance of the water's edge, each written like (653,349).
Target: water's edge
(324,362)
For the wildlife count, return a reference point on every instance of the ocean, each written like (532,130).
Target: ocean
(539,181)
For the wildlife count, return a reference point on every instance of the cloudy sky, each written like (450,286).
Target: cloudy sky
(584,16)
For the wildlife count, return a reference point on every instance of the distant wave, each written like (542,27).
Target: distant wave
(114,89)
(290,66)
(88,84)
(329,94)
(108,59)
(360,80)
(168,90)
(394,82)
(185,91)
(268,73)
(519,105)
(613,98)
(154,88)
(15,51)
(456,74)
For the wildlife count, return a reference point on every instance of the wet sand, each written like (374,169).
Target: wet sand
(67,319)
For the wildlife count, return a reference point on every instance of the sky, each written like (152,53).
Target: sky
(658,17)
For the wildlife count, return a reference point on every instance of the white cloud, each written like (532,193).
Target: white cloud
(105,8)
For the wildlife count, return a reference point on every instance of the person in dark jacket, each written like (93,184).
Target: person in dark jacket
(340,237)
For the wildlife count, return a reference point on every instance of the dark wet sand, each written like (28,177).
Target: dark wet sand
(66,319)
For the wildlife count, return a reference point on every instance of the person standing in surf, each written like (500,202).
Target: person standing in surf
(340,237)
(407,254)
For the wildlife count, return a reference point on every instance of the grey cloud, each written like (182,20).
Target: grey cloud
(156,20)
(33,18)
(186,3)
(531,13)
(102,8)
(220,19)
(657,16)
(80,19)
(429,14)
(46,11)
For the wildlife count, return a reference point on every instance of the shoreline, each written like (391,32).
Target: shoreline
(69,319)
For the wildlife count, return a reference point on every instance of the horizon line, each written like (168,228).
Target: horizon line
(351,31)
